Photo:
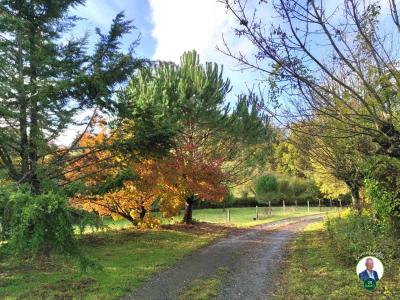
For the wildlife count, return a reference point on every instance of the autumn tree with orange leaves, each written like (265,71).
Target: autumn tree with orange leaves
(187,176)
(114,185)
(210,138)
(211,144)
(132,200)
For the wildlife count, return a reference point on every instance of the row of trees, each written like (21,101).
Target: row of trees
(292,190)
(340,100)
(159,134)
(210,149)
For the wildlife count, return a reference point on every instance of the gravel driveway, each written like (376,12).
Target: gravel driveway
(252,256)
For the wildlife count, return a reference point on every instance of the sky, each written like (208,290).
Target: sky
(168,28)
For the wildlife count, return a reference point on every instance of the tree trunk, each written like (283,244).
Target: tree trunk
(187,217)
(23,122)
(128,217)
(355,195)
(142,213)
(34,134)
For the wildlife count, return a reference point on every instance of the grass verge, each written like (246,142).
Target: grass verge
(128,259)
(205,288)
(315,272)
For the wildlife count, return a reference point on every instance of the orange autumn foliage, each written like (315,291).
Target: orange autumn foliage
(133,201)
(186,172)
(94,162)
(190,172)
(97,164)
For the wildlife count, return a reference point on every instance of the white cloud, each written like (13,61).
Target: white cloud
(184,25)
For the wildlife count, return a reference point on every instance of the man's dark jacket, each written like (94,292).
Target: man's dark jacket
(364,275)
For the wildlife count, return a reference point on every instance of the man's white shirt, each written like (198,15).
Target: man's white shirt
(370,274)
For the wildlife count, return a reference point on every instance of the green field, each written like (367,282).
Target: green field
(239,217)
(244,217)
(316,272)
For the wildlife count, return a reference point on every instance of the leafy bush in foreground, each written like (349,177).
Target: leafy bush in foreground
(382,187)
(37,225)
(353,236)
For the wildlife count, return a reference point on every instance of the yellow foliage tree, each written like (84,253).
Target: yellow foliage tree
(328,184)
(133,199)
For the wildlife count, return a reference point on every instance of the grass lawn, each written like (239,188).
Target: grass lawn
(128,259)
(243,217)
(315,272)
(240,217)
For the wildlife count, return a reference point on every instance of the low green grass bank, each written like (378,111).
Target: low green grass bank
(315,271)
(128,259)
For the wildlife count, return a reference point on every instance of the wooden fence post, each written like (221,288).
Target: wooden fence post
(270,208)
(283,206)
(308,205)
(319,204)
(256,212)
(229,215)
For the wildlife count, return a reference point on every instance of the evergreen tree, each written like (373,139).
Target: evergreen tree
(190,100)
(47,79)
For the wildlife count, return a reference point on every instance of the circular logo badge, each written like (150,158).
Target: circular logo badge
(370,271)
(370,284)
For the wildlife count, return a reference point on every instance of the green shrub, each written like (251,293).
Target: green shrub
(289,188)
(352,235)
(5,213)
(245,202)
(382,187)
(298,187)
(36,225)
(228,200)
(285,190)
(40,224)
(232,202)
(267,189)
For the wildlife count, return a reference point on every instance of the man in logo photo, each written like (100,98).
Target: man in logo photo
(369,272)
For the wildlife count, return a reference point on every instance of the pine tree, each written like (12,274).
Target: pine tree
(46,79)
(190,100)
